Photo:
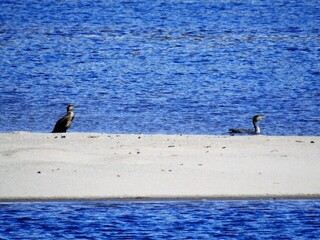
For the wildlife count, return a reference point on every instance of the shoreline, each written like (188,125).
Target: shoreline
(164,199)
(132,167)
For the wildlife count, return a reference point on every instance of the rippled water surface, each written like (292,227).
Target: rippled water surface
(264,219)
(184,66)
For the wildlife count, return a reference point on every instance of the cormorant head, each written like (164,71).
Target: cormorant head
(257,118)
(70,107)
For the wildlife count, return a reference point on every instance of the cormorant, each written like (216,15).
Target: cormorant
(64,123)
(256,130)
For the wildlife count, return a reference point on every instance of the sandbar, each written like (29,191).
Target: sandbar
(95,166)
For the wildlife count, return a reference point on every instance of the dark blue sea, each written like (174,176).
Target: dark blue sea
(238,219)
(171,67)
(176,66)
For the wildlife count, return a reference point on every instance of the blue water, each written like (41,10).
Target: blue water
(184,66)
(263,219)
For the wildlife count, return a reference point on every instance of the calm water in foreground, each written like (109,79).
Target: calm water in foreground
(183,66)
(239,219)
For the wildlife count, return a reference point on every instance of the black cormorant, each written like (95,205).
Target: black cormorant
(256,130)
(64,123)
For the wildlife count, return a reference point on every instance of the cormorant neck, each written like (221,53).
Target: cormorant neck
(256,128)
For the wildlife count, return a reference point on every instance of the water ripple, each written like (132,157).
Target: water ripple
(196,67)
(263,219)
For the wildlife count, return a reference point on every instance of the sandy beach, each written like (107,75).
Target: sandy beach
(83,166)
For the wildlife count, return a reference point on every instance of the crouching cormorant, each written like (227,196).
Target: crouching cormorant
(64,123)
(256,130)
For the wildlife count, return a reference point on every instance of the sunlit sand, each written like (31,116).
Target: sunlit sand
(73,166)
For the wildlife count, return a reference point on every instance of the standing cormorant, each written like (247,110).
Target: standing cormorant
(64,123)
(256,130)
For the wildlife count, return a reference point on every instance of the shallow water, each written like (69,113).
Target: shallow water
(197,67)
(253,219)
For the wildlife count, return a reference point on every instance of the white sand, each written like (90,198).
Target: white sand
(37,166)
